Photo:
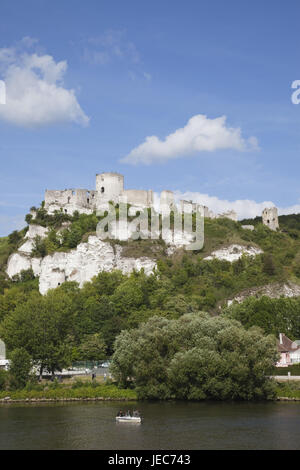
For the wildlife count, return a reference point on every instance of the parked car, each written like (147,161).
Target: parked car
(105,364)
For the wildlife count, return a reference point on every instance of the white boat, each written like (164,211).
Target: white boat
(128,419)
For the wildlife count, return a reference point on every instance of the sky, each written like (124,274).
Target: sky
(194,97)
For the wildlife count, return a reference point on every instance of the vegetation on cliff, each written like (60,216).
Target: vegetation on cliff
(70,323)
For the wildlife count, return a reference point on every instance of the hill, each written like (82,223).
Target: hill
(182,282)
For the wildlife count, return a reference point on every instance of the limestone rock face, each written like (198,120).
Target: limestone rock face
(274,291)
(33,231)
(234,252)
(18,262)
(80,264)
(27,247)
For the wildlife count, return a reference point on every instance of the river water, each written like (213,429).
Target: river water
(172,425)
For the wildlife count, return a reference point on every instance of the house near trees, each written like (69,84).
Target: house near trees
(289,351)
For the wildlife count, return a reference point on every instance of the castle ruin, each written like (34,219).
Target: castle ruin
(110,187)
(270,218)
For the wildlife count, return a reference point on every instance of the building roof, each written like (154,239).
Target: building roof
(285,344)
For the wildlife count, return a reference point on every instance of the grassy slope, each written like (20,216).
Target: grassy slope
(4,250)
(284,246)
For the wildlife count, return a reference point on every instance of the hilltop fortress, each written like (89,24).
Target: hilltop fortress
(96,254)
(110,187)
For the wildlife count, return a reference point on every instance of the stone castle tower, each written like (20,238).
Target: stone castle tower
(109,186)
(270,218)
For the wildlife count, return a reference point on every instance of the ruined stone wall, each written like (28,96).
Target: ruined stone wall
(228,215)
(58,197)
(137,197)
(70,200)
(85,198)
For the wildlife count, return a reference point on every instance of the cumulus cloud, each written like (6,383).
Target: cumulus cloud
(200,134)
(35,92)
(245,208)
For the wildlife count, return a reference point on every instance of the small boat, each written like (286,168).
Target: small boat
(128,418)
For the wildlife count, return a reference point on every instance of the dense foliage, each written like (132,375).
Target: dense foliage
(70,324)
(195,357)
(20,368)
(272,315)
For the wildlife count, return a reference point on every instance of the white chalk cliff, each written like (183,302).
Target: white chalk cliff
(80,264)
(234,252)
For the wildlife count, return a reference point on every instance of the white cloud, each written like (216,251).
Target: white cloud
(245,208)
(200,134)
(35,93)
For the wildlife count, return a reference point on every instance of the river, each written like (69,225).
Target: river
(171,425)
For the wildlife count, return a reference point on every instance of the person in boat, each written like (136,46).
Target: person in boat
(121,413)
(136,413)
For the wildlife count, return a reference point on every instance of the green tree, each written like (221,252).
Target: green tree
(14,238)
(195,357)
(74,236)
(41,326)
(39,247)
(28,218)
(3,379)
(20,367)
(93,348)
(272,315)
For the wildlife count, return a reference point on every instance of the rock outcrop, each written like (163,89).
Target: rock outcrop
(274,291)
(80,264)
(33,231)
(234,252)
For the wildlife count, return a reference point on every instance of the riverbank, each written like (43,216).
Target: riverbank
(61,392)
(57,400)
(288,399)
(95,391)
(288,391)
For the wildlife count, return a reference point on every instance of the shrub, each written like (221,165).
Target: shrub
(3,379)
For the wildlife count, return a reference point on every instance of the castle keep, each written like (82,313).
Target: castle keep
(109,187)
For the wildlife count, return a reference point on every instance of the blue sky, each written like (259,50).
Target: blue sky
(140,69)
